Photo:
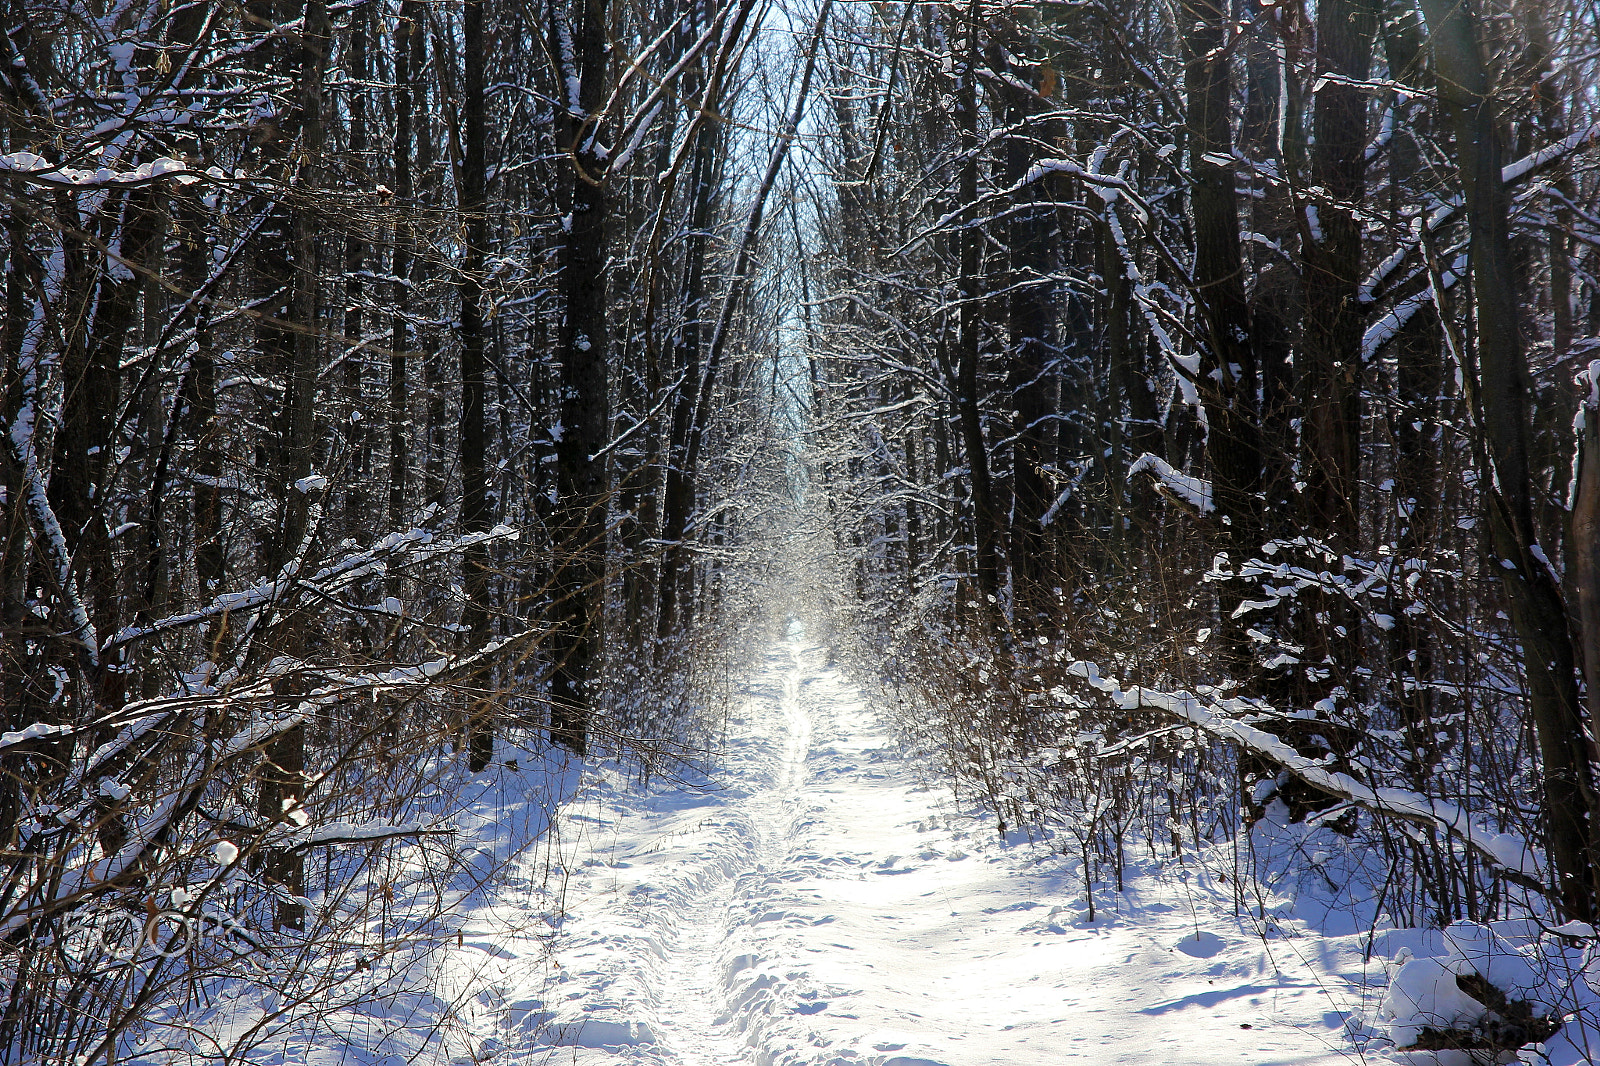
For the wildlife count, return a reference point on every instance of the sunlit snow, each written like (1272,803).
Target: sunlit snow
(822,903)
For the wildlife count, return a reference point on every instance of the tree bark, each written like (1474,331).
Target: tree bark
(1419,386)
(582,344)
(1227,381)
(475,514)
(1500,385)
(295,343)
(1270,133)
(985,522)
(356,254)
(1330,344)
(408,39)
(1227,378)
(1329,358)
(1031,378)
(679,491)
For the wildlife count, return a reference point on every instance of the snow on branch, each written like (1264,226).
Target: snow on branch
(35,731)
(417,544)
(268,715)
(1388,327)
(37,170)
(54,540)
(1231,720)
(358,833)
(303,838)
(1549,153)
(1196,492)
(1510,174)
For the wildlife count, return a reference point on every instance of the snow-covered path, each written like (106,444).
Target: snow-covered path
(821,906)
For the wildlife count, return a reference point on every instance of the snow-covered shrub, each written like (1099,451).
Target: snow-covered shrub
(1485,994)
(153,875)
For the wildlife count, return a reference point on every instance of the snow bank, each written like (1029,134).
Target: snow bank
(1495,990)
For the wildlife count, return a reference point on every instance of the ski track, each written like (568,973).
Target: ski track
(819,905)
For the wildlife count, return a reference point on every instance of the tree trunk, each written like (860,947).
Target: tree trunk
(282,787)
(1330,347)
(408,39)
(985,522)
(475,516)
(1030,311)
(356,253)
(679,492)
(18,654)
(1500,389)
(1329,360)
(1583,555)
(1419,385)
(1227,380)
(1269,134)
(582,344)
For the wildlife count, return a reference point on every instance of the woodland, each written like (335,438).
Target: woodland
(1185,412)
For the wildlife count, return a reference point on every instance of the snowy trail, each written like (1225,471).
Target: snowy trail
(822,907)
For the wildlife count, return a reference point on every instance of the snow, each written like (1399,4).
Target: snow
(39,170)
(416,544)
(21,437)
(14,737)
(1426,992)
(1388,326)
(342,832)
(1055,508)
(1444,211)
(817,897)
(817,902)
(1527,164)
(115,790)
(1231,720)
(641,128)
(1144,296)
(1314,224)
(1513,853)
(1195,491)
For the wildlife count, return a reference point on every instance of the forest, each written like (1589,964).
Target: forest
(1186,414)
